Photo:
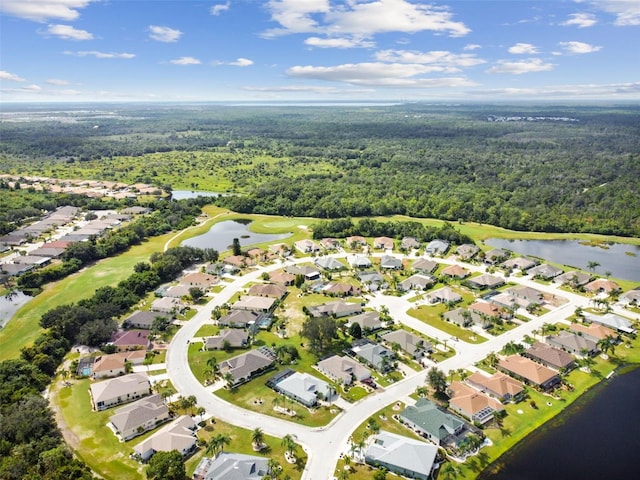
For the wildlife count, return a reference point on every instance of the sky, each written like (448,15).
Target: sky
(319,50)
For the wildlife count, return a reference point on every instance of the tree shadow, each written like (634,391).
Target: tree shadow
(505,432)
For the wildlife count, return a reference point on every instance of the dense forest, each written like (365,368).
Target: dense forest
(554,168)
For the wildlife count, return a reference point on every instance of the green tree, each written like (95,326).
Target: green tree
(237,249)
(196,293)
(437,380)
(257,439)
(592,265)
(166,466)
(355,330)
(320,331)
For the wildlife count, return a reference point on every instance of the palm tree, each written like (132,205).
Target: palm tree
(592,265)
(492,359)
(606,344)
(228,378)
(257,439)
(449,471)
(214,368)
(274,468)
(200,411)
(167,393)
(289,444)
(276,402)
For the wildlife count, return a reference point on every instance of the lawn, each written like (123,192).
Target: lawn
(24,328)
(430,316)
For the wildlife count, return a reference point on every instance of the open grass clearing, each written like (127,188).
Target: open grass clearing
(431,316)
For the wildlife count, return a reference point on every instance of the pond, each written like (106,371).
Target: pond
(184,194)
(621,259)
(9,304)
(221,235)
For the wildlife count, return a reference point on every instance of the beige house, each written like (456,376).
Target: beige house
(499,385)
(343,369)
(114,364)
(138,417)
(178,435)
(471,403)
(116,391)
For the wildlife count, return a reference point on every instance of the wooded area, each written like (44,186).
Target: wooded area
(570,169)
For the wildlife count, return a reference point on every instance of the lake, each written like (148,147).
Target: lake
(184,194)
(596,437)
(9,306)
(221,235)
(621,259)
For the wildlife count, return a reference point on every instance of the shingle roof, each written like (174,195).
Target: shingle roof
(404,453)
(232,466)
(429,418)
(526,368)
(548,354)
(138,413)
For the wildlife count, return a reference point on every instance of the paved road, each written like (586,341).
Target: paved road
(322,443)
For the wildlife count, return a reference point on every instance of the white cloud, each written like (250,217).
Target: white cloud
(523,49)
(241,62)
(57,81)
(379,74)
(444,60)
(567,91)
(186,61)
(578,47)
(164,34)
(219,8)
(68,32)
(94,53)
(360,19)
(25,89)
(522,66)
(471,47)
(627,12)
(42,10)
(581,20)
(343,42)
(4,75)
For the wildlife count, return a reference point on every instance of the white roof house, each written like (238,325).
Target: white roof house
(304,388)
(178,435)
(401,455)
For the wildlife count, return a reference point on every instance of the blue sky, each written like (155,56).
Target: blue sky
(292,50)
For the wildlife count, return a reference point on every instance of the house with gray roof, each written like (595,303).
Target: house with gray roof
(412,344)
(409,243)
(467,251)
(549,356)
(545,271)
(336,309)
(611,320)
(526,296)
(632,297)
(239,318)
(178,435)
(343,369)
(389,262)
(358,261)
(573,343)
(307,246)
(329,263)
(372,280)
(444,295)
(301,387)
(138,417)
(519,263)
(116,391)
(308,272)
(573,278)
(377,356)
(417,282)
(484,281)
(438,426)
(231,338)
(401,455)
(232,466)
(255,303)
(436,247)
(144,319)
(424,265)
(495,256)
(368,321)
(244,367)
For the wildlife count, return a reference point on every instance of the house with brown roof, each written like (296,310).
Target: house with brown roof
(409,243)
(455,271)
(384,243)
(257,254)
(573,343)
(232,338)
(167,305)
(593,331)
(138,417)
(115,364)
(601,285)
(412,344)
(356,241)
(444,295)
(471,403)
(529,372)
(307,271)
(255,304)
(244,367)
(132,340)
(338,289)
(573,278)
(424,265)
(499,385)
(549,356)
(467,251)
(238,261)
(282,278)
(178,435)
(281,249)
(239,318)
(487,310)
(336,309)
(307,246)
(116,391)
(519,263)
(268,290)
(175,291)
(368,321)
(343,369)
(144,319)
(200,280)
(330,243)
(484,281)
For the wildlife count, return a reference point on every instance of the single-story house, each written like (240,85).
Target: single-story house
(339,289)
(358,261)
(593,331)
(232,466)
(409,243)
(611,320)
(488,310)
(428,420)
(417,282)
(239,319)
(573,343)
(368,321)
(526,296)
(114,364)
(336,309)
(424,265)
(528,371)
(234,338)
(472,404)
(373,281)
(408,342)
(632,297)
(135,339)
(45,251)
(238,261)
(244,367)
(356,240)
(138,417)
(176,291)
(545,271)
(281,249)
(501,386)
(389,262)
(255,304)
(444,295)
(519,263)
(257,254)
(166,305)
(436,247)
(268,290)
(377,356)
(282,278)
(463,317)
(307,271)
(601,285)
(178,435)
(384,243)
(307,246)
(506,300)
(485,281)
(144,319)
(549,356)
(330,243)
(401,455)
(329,263)
(455,271)
(301,387)
(467,251)
(200,280)
(115,391)
(495,256)
(343,369)
(573,278)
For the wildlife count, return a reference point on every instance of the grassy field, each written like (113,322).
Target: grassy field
(23,328)
(431,316)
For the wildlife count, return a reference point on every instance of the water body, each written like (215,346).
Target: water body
(596,437)
(221,235)
(621,259)
(184,194)
(10,305)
